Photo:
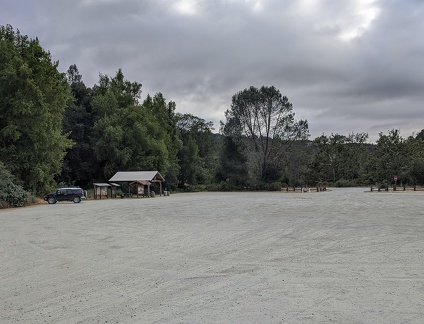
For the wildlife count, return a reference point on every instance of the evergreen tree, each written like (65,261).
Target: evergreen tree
(390,158)
(198,155)
(129,136)
(165,116)
(33,97)
(233,169)
(80,165)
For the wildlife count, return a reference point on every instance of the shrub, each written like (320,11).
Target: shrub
(344,183)
(274,186)
(12,195)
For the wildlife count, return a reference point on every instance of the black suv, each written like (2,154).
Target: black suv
(65,194)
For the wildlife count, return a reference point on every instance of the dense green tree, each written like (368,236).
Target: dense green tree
(127,135)
(130,139)
(33,97)
(165,116)
(232,170)
(199,150)
(124,92)
(416,171)
(414,148)
(328,157)
(190,164)
(355,158)
(340,157)
(5,175)
(80,164)
(420,135)
(390,158)
(398,156)
(111,99)
(266,120)
(296,171)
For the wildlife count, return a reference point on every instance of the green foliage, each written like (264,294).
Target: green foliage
(165,116)
(123,92)
(129,136)
(273,186)
(343,183)
(413,173)
(5,175)
(417,172)
(345,161)
(340,157)
(297,162)
(33,96)
(11,194)
(198,153)
(79,166)
(390,157)
(232,171)
(189,162)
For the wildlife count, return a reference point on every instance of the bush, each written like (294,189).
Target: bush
(224,186)
(12,195)
(274,186)
(345,183)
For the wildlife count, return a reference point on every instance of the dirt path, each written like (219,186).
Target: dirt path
(345,256)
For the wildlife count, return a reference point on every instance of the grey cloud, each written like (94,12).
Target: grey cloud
(200,60)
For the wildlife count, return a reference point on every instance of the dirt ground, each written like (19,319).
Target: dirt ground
(345,256)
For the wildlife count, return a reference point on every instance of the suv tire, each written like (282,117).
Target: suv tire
(76,200)
(51,200)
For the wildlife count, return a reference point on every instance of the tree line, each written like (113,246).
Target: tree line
(54,130)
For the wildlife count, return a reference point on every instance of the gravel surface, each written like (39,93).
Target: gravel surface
(341,256)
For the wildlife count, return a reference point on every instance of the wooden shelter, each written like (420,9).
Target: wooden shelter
(141,179)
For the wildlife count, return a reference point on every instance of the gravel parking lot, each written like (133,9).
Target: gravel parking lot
(341,256)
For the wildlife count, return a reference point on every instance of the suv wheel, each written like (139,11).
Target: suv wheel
(76,199)
(51,200)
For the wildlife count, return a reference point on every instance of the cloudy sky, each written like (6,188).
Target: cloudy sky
(346,66)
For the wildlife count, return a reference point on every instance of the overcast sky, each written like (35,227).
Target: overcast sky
(345,65)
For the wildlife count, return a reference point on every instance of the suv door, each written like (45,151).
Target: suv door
(63,194)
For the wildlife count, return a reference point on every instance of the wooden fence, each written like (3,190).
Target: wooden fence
(395,188)
(304,189)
